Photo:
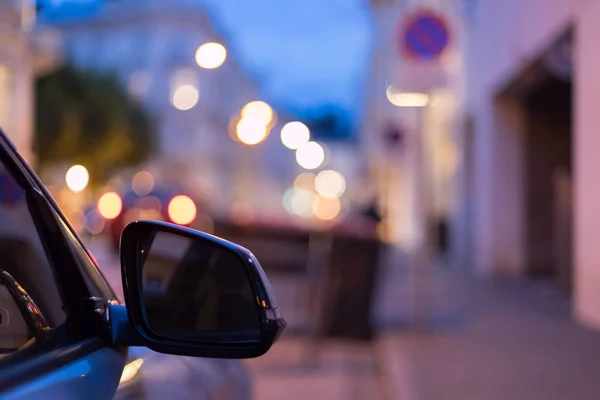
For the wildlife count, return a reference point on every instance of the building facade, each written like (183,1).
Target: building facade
(394,136)
(532,144)
(150,45)
(16,73)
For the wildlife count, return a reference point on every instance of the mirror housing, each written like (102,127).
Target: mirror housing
(183,323)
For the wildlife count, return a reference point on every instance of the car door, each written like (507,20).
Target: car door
(52,325)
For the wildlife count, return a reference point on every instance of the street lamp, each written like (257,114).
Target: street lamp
(294,134)
(310,155)
(258,110)
(251,131)
(77,178)
(211,55)
(185,97)
(330,184)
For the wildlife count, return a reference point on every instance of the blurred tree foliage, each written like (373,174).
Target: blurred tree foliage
(329,123)
(88,118)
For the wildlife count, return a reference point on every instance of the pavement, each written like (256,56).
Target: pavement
(300,368)
(482,339)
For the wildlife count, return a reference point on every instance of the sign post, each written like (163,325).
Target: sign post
(424,38)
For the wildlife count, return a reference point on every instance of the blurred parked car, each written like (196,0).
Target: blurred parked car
(150,375)
(163,203)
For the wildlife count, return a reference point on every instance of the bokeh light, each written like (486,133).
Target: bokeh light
(406,99)
(325,208)
(76,217)
(110,205)
(251,131)
(94,222)
(242,213)
(182,210)
(330,184)
(294,134)
(211,55)
(77,178)
(258,110)
(142,183)
(204,223)
(298,202)
(310,155)
(305,180)
(185,97)
(149,207)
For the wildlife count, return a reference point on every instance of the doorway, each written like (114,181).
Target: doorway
(548,171)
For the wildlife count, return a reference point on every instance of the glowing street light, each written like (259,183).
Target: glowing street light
(294,134)
(298,202)
(251,131)
(110,205)
(77,178)
(406,99)
(305,180)
(258,110)
(182,210)
(211,55)
(142,183)
(330,184)
(185,97)
(310,155)
(325,208)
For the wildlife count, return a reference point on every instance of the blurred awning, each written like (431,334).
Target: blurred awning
(554,62)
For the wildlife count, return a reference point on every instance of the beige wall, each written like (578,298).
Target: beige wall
(17,88)
(504,37)
(587,166)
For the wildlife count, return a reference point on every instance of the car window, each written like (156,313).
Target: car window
(95,281)
(23,258)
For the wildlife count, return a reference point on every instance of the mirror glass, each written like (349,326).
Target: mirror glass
(195,289)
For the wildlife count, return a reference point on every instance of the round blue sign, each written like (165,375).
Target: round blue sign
(10,191)
(425,35)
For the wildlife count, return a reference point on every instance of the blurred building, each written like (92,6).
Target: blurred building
(151,46)
(516,166)
(392,134)
(530,144)
(16,72)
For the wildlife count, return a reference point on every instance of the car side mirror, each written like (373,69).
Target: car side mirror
(190,293)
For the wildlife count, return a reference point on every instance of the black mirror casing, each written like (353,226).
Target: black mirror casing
(133,255)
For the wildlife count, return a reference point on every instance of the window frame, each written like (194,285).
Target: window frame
(83,331)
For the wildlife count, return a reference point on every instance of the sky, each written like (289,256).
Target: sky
(306,53)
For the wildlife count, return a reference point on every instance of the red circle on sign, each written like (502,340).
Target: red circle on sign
(425,35)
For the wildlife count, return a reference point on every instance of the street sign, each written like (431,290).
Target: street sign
(10,191)
(425,35)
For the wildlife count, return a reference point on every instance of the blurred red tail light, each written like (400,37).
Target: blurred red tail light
(181,210)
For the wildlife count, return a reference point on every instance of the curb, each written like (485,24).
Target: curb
(395,374)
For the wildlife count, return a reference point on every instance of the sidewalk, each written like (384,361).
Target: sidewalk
(295,368)
(485,340)
(298,367)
